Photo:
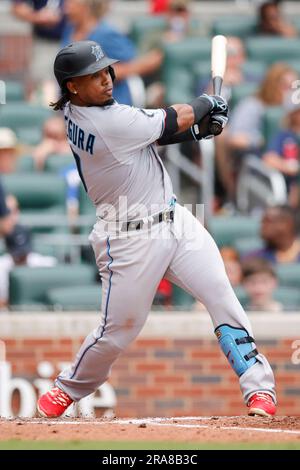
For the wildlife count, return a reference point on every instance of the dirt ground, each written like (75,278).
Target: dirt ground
(194,429)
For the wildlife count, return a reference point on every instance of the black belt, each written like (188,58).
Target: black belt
(164,216)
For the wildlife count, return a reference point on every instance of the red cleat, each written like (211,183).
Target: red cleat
(53,403)
(261,404)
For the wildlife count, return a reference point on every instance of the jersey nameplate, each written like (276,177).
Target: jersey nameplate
(81,139)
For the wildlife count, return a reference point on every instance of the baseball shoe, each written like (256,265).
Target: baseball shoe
(53,403)
(261,404)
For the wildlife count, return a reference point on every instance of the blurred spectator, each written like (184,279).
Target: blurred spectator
(245,126)
(283,151)
(179,21)
(179,26)
(19,253)
(232,265)
(54,141)
(47,19)
(260,282)
(271,21)
(86,22)
(8,153)
(245,131)
(278,231)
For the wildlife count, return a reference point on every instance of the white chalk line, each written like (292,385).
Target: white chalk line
(159,422)
(155,422)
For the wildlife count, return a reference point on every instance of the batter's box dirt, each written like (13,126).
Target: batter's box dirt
(181,429)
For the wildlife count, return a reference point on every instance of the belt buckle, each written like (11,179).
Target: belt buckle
(168,216)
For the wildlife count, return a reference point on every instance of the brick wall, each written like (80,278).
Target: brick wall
(171,373)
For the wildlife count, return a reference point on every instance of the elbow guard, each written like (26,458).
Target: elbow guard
(171,124)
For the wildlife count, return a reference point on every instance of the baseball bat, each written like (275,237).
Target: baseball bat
(218,66)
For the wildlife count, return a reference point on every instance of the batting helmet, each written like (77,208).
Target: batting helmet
(79,59)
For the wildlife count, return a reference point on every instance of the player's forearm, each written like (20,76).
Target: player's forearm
(185,116)
(197,109)
(176,138)
(195,132)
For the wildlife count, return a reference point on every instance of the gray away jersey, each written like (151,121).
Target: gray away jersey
(115,152)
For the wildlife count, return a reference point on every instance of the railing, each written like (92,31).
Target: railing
(178,164)
(259,186)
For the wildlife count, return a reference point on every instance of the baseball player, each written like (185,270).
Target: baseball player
(141,233)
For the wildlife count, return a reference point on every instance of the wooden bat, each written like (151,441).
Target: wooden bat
(218,66)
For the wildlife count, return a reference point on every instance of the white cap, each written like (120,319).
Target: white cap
(8,139)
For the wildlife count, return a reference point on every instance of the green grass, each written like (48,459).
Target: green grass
(127,445)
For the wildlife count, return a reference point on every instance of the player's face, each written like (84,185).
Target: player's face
(92,90)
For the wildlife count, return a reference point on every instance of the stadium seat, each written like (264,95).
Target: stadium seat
(152,25)
(289,297)
(144,25)
(226,230)
(295,64)
(272,49)
(86,206)
(202,69)
(25,119)
(181,299)
(174,93)
(30,285)
(186,52)
(251,68)
(289,274)
(177,67)
(56,163)
(254,68)
(296,22)
(84,297)
(272,121)
(241,26)
(36,192)
(15,92)
(25,163)
(246,245)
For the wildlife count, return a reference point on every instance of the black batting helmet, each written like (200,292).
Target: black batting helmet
(79,59)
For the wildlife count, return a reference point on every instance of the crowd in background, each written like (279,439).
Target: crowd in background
(140,82)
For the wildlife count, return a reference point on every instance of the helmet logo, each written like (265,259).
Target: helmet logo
(97,52)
